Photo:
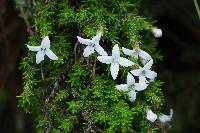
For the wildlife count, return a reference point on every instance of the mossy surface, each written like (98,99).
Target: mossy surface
(77,94)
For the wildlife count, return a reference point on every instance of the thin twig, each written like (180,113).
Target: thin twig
(46,114)
(53,91)
(75,46)
(42,74)
(94,66)
(88,63)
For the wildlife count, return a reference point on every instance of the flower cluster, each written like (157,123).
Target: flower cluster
(144,74)
(92,46)
(151,116)
(115,60)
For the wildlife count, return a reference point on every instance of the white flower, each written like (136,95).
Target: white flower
(145,71)
(145,57)
(92,44)
(156,32)
(43,49)
(131,85)
(115,60)
(132,95)
(162,117)
(151,116)
(166,118)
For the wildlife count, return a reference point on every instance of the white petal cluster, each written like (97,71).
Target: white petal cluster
(42,50)
(131,87)
(92,45)
(151,116)
(144,73)
(137,53)
(115,60)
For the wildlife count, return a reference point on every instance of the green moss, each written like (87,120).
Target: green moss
(72,94)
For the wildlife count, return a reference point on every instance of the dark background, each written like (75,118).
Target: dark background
(180,69)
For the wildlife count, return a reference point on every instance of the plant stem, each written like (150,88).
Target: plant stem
(42,74)
(197,8)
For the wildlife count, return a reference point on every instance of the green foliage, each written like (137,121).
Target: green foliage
(76,94)
(25,99)
(197,8)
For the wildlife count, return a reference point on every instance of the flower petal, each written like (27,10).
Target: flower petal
(144,62)
(45,43)
(148,65)
(105,59)
(130,79)
(84,41)
(157,32)
(34,48)
(88,51)
(129,52)
(39,57)
(114,68)
(115,51)
(166,118)
(151,116)
(51,55)
(100,50)
(122,87)
(140,86)
(144,55)
(125,62)
(142,79)
(137,72)
(96,38)
(132,95)
(150,74)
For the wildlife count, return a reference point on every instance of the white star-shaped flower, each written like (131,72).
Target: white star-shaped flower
(151,116)
(92,45)
(166,118)
(145,71)
(115,60)
(131,85)
(156,32)
(42,50)
(145,57)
